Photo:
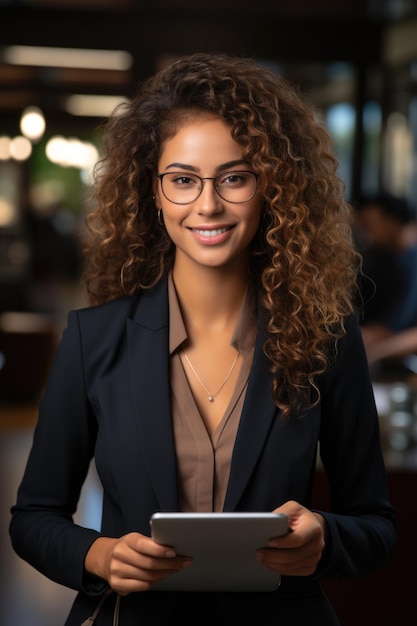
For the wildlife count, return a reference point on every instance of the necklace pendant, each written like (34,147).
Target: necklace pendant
(211,396)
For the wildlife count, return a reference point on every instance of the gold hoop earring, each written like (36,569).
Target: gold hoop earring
(161,217)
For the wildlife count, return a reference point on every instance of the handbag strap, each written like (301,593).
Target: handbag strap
(116,611)
(90,620)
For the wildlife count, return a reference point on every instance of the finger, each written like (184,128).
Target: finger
(146,545)
(288,563)
(127,579)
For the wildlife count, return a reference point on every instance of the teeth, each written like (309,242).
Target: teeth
(210,233)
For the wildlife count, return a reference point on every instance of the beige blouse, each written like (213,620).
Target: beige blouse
(203,461)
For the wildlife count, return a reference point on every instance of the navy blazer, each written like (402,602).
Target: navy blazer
(108,397)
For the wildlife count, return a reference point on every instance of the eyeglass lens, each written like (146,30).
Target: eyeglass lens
(181,188)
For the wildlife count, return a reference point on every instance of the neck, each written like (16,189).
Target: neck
(209,297)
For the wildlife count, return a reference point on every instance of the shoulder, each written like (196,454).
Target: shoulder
(348,353)
(145,307)
(108,314)
(123,305)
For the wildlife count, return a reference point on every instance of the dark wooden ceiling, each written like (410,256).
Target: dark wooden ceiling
(286,31)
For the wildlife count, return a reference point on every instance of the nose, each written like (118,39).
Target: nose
(209,201)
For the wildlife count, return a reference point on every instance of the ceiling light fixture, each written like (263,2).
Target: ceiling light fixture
(68,57)
(94,106)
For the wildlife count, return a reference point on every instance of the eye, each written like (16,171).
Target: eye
(183,180)
(234,179)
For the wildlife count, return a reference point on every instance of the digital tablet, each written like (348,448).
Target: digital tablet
(223,548)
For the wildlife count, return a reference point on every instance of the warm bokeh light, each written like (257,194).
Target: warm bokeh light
(20,148)
(71,152)
(398,154)
(7,213)
(32,123)
(4,148)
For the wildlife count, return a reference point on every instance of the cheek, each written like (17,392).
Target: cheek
(253,218)
(173,219)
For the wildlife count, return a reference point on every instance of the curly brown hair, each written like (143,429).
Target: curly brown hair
(304,264)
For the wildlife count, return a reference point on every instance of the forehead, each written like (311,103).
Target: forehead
(200,142)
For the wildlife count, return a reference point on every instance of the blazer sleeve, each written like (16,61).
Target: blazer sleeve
(362,529)
(42,529)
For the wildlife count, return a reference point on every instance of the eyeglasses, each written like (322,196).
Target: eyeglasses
(182,188)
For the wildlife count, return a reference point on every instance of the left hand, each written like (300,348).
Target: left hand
(298,552)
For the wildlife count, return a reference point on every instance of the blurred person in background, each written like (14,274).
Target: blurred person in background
(399,349)
(386,230)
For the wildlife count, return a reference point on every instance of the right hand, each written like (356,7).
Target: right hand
(133,562)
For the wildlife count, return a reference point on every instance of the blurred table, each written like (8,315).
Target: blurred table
(27,345)
(17,416)
(397,409)
(386,597)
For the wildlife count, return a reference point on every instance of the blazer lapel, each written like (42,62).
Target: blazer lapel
(148,350)
(258,412)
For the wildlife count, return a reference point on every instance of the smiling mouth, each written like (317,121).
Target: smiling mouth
(210,233)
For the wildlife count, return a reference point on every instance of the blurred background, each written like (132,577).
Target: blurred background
(64,65)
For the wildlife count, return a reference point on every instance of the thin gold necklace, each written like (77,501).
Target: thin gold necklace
(211,396)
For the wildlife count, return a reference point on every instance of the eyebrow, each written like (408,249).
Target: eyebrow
(219,168)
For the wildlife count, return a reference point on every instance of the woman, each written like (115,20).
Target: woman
(221,351)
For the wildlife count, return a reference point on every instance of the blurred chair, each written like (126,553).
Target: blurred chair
(27,345)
